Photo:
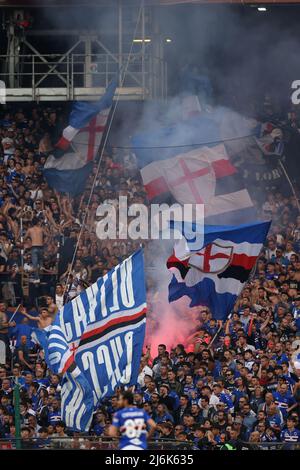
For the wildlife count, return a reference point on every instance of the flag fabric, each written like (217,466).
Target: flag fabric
(70,162)
(96,341)
(256,155)
(215,273)
(269,139)
(200,174)
(237,149)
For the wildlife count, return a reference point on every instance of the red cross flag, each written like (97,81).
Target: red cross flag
(190,177)
(88,139)
(214,258)
(70,162)
(203,175)
(81,148)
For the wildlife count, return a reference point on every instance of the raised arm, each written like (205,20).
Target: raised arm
(266,322)
(22,310)
(227,327)
(249,332)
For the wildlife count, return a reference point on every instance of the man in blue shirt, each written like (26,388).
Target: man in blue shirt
(223,397)
(280,356)
(162,415)
(99,425)
(189,384)
(131,423)
(274,418)
(296,313)
(39,376)
(43,441)
(279,257)
(284,400)
(290,433)
(22,329)
(55,412)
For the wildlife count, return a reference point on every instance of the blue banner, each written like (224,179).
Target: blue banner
(96,340)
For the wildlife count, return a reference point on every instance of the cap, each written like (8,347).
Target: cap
(165,385)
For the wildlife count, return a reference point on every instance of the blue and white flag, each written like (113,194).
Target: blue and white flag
(70,163)
(96,341)
(215,273)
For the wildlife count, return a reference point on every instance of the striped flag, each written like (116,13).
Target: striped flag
(215,273)
(69,165)
(96,341)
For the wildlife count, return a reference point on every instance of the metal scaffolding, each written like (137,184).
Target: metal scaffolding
(90,61)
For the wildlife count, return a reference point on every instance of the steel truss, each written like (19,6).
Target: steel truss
(87,66)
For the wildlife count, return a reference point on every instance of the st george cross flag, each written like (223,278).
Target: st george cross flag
(245,163)
(215,273)
(201,173)
(96,341)
(70,163)
(201,176)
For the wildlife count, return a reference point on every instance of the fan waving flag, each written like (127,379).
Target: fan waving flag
(96,341)
(70,162)
(215,273)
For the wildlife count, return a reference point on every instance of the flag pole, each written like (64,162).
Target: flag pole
(220,328)
(17,413)
(110,121)
(290,183)
(13,315)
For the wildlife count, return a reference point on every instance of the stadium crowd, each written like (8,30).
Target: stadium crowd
(239,383)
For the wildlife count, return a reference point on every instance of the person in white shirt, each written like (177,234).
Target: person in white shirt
(213,399)
(8,145)
(245,317)
(59,296)
(35,191)
(271,250)
(249,361)
(243,345)
(289,251)
(144,370)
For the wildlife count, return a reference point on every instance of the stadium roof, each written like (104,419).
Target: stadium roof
(54,3)
(250,2)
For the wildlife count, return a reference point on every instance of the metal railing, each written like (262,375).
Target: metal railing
(71,71)
(107,443)
(87,443)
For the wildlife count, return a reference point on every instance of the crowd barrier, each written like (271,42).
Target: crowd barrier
(105,443)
